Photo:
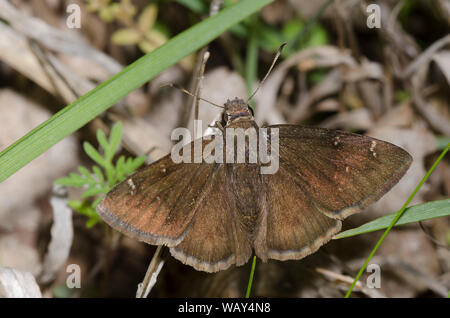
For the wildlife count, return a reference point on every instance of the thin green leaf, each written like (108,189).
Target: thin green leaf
(84,109)
(93,153)
(250,280)
(120,169)
(74,204)
(99,174)
(84,208)
(114,139)
(101,138)
(110,172)
(85,172)
(420,212)
(137,162)
(91,222)
(133,164)
(93,191)
(77,178)
(71,181)
(96,202)
(81,207)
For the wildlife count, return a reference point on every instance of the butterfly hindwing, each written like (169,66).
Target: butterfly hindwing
(216,239)
(295,227)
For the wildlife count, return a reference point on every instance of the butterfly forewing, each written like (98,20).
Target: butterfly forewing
(157,203)
(340,172)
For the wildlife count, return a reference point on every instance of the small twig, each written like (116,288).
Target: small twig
(347,280)
(195,80)
(152,272)
(199,87)
(45,63)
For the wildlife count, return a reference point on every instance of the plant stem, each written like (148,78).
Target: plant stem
(250,280)
(154,263)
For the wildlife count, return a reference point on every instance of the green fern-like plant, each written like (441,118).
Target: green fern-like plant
(104,176)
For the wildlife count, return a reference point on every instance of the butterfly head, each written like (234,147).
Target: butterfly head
(237,109)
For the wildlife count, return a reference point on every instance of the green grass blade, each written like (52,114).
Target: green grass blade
(394,221)
(133,76)
(250,280)
(420,212)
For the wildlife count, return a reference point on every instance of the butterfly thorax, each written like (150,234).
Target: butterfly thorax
(244,178)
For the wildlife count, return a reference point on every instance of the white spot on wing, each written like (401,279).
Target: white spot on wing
(337,139)
(372,148)
(132,186)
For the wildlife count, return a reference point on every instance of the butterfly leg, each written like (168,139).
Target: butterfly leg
(217,124)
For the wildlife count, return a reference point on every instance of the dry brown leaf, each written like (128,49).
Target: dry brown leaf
(358,119)
(315,57)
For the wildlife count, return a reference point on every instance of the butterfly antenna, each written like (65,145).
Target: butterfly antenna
(190,94)
(268,72)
